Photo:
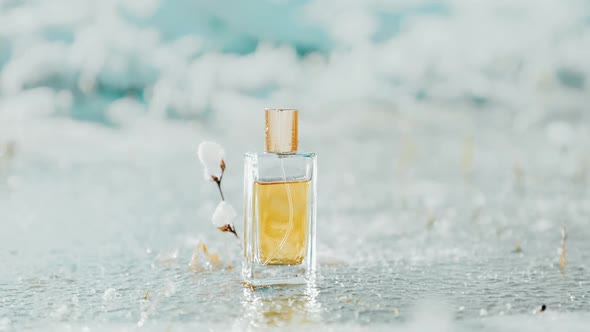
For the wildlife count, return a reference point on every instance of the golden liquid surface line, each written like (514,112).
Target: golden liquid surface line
(282,221)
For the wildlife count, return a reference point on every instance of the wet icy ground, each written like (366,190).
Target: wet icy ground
(446,220)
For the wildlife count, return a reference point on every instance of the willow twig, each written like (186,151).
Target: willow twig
(218,179)
(229,228)
(562,257)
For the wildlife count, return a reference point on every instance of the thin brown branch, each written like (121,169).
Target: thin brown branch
(218,181)
(220,191)
(562,257)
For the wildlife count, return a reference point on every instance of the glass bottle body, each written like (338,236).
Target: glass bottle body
(279,218)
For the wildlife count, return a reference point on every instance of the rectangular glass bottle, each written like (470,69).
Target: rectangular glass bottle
(279,207)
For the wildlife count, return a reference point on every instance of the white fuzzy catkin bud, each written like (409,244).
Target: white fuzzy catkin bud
(224,214)
(211,154)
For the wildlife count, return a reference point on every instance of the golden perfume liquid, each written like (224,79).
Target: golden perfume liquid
(282,221)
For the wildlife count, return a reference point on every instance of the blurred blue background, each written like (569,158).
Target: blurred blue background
(183,59)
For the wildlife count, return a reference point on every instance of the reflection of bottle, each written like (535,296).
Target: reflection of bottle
(281,307)
(279,206)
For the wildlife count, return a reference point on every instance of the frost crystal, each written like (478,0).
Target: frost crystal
(224,215)
(211,156)
(109,294)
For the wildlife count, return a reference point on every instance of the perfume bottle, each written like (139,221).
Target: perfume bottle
(279,206)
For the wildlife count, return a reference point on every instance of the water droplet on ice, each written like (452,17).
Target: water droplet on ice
(5,323)
(109,294)
(169,289)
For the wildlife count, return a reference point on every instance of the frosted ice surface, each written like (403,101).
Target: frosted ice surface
(106,216)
